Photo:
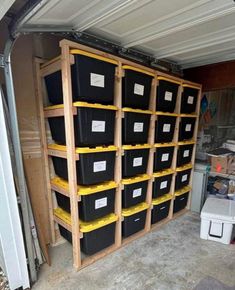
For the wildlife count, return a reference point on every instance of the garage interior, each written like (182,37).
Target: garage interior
(187,43)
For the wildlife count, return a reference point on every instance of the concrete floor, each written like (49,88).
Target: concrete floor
(172,258)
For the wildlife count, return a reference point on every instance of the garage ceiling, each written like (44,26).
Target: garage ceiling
(188,32)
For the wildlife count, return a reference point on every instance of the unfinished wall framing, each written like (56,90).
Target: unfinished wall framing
(63,63)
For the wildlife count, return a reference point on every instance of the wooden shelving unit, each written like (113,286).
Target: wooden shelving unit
(63,63)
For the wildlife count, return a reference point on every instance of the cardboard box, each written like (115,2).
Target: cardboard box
(231,166)
(222,164)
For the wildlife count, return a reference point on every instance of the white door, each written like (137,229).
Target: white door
(12,251)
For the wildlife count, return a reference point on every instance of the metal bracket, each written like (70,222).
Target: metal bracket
(2,62)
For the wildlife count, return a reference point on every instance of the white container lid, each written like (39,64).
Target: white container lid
(219,209)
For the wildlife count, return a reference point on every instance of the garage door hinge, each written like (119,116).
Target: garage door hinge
(2,62)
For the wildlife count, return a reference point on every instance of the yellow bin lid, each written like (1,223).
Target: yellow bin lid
(135,209)
(135,147)
(158,145)
(185,167)
(188,115)
(86,227)
(189,142)
(93,55)
(191,86)
(84,190)
(135,179)
(84,150)
(63,215)
(163,173)
(130,110)
(138,70)
(182,191)
(162,199)
(84,105)
(178,82)
(159,113)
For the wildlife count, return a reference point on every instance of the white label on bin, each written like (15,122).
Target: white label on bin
(97,80)
(163,184)
(190,100)
(138,127)
(137,161)
(166,127)
(184,177)
(98,126)
(163,207)
(186,153)
(138,89)
(168,96)
(99,166)
(137,192)
(165,157)
(102,202)
(136,220)
(188,127)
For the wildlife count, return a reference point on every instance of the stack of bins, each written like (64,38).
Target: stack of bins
(94,123)
(166,116)
(136,90)
(186,144)
(189,100)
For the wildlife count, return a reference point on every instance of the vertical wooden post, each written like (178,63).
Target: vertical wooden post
(118,143)
(151,137)
(43,139)
(194,147)
(71,159)
(176,137)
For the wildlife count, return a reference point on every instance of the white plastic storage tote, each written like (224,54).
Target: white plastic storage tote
(217,220)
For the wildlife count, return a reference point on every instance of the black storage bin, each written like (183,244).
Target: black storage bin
(163,157)
(95,165)
(92,80)
(96,201)
(136,88)
(184,154)
(161,207)
(135,126)
(165,128)
(97,235)
(162,183)
(186,128)
(134,160)
(93,125)
(189,100)
(134,219)
(135,190)
(167,91)
(67,235)
(180,201)
(182,177)
(99,239)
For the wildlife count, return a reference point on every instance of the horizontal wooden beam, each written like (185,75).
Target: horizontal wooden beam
(59,153)
(62,190)
(53,65)
(65,225)
(59,112)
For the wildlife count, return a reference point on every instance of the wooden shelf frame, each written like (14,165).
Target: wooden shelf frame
(63,63)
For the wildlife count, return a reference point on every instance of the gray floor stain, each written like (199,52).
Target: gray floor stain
(171,258)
